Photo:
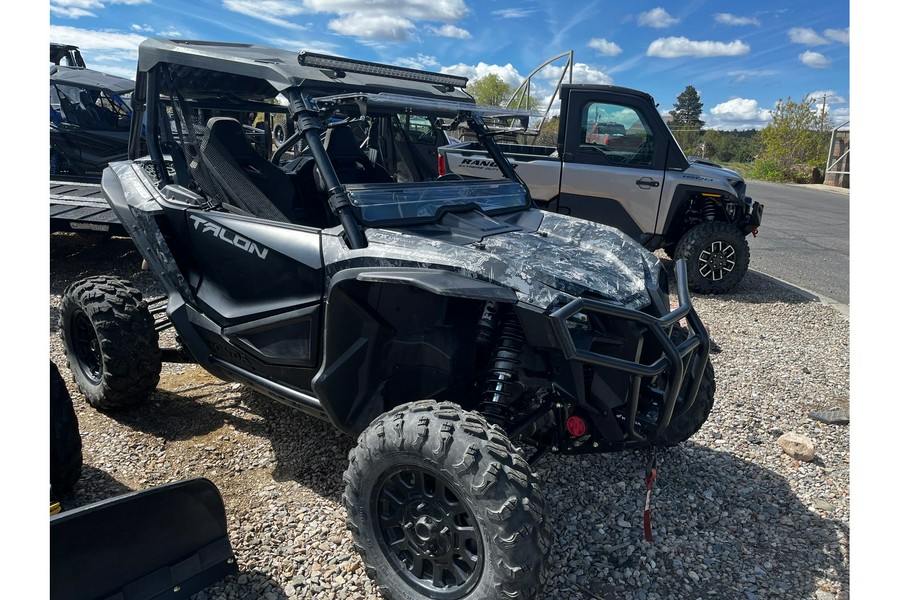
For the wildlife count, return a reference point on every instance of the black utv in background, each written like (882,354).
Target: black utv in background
(89,121)
(456,330)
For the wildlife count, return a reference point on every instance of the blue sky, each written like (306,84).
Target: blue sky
(741,57)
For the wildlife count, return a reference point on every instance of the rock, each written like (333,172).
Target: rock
(797,446)
(823,505)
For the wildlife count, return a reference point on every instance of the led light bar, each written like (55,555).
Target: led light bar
(349,65)
(431,106)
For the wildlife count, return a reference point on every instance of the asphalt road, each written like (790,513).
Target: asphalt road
(804,238)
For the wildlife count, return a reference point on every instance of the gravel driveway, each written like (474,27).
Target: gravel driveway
(734,516)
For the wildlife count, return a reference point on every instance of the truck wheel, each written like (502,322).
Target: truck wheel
(683,426)
(112,347)
(66,458)
(441,505)
(717,256)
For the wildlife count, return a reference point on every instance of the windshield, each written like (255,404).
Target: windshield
(384,204)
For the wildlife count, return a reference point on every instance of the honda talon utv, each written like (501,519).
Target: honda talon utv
(453,328)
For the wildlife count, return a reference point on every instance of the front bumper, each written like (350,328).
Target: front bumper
(754,217)
(683,364)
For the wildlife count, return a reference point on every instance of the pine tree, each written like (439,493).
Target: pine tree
(686,124)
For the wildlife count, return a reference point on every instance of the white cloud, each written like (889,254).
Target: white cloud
(306,44)
(373,27)
(431,10)
(74,9)
(841,36)
(605,47)
(421,62)
(144,28)
(513,13)
(729,19)
(507,72)
(831,97)
(581,73)
(744,75)
(738,113)
(115,46)
(657,18)
(675,47)
(806,36)
(270,11)
(451,31)
(814,60)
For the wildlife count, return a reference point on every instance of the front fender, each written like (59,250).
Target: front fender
(394,335)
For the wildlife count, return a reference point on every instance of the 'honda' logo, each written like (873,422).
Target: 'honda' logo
(229,236)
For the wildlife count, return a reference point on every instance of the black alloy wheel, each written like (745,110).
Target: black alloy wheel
(427,532)
(86,346)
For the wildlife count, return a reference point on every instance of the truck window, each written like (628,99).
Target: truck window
(619,132)
(419,129)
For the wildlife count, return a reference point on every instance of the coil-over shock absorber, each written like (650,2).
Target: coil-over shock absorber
(709,209)
(502,386)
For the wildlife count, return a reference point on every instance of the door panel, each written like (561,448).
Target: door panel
(612,154)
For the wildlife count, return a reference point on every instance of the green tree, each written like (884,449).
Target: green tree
(549,132)
(796,140)
(490,90)
(686,124)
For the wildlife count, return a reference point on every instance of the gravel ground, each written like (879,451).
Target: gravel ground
(734,516)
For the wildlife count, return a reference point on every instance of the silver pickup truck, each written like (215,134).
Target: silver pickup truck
(617,163)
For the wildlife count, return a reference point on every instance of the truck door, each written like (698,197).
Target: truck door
(613,162)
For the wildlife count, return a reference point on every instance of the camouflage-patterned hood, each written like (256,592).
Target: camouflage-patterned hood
(563,255)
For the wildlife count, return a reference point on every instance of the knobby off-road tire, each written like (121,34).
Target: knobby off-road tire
(683,426)
(717,256)
(441,505)
(112,347)
(66,458)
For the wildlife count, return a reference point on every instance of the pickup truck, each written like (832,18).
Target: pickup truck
(634,177)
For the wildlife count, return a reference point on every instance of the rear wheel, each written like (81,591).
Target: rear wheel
(717,256)
(112,347)
(441,505)
(278,134)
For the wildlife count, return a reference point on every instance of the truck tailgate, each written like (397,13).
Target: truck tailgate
(539,171)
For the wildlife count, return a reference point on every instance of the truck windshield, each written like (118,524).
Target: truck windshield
(385,204)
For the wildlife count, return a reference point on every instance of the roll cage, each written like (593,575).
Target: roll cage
(181,85)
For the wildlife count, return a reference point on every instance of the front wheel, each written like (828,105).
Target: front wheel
(112,346)
(717,256)
(441,505)
(685,423)
(66,458)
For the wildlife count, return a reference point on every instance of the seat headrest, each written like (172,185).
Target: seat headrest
(230,133)
(340,141)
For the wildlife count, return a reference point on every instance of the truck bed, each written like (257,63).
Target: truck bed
(80,207)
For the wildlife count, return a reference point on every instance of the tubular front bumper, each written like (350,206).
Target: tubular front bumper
(684,363)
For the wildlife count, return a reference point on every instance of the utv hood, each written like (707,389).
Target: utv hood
(713,173)
(562,255)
